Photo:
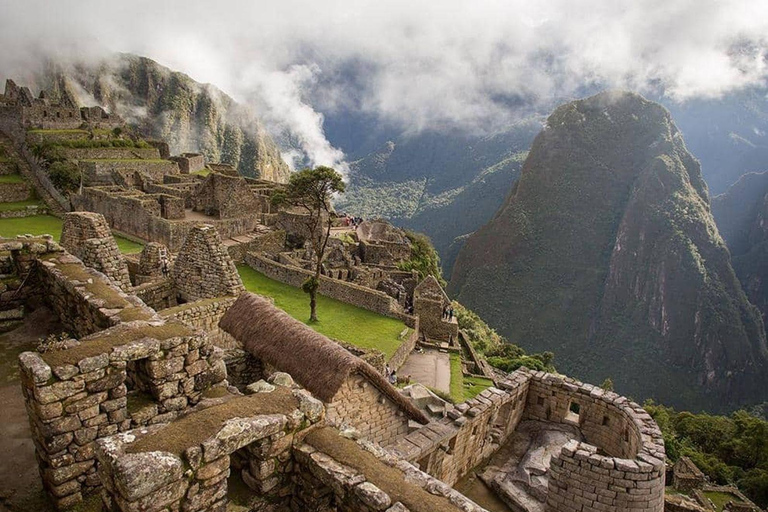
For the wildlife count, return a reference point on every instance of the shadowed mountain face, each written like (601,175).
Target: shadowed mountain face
(741,214)
(169,105)
(606,253)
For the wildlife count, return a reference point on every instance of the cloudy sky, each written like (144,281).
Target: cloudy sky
(415,64)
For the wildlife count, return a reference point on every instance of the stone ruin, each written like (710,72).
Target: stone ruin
(138,406)
(18,105)
(203,268)
(87,236)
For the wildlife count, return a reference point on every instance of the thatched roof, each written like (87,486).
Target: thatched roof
(314,361)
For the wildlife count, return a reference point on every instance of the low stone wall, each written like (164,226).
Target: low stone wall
(109,172)
(139,215)
(158,294)
(28,211)
(84,299)
(366,298)
(334,473)
(447,449)
(406,347)
(258,445)
(242,368)
(12,192)
(627,475)
(109,153)
(630,474)
(205,315)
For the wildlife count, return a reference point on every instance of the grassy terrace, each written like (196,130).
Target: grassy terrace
(131,160)
(19,205)
(338,320)
(11,178)
(50,225)
(463,388)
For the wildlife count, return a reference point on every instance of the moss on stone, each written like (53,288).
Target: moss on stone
(117,336)
(194,428)
(388,479)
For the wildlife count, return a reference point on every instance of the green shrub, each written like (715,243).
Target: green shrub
(64,175)
(424,258)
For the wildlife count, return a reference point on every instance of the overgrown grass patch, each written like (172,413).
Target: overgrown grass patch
(49,225)
(464,388)
(19,205)
(11,178)
(338,320)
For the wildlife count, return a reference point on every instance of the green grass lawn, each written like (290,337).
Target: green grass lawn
(719,499)
(338,320)
(463,388)
(11,178)
(19,205)
(50,225)
(201,172)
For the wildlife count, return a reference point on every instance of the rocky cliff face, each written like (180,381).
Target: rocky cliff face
(606,253)
(169,105)
(741,214)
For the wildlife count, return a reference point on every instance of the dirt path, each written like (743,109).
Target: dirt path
(20,485)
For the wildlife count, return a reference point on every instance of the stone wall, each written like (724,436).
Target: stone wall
(87,236)
(406,347)
(109,153)
(159,294)
(190,162)
(225,197)
(203,268)
(12,192)
(449,448)
(257,445)
(84,299)
(333,473)
(139,215)
(620,466)
(205,315)
(360,296)
(270,242)
(78,395)
(121,172)
(360,405)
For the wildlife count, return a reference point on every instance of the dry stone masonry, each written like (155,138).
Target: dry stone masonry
(87,236)
(203,268)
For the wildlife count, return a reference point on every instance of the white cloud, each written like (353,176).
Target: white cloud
(437,64)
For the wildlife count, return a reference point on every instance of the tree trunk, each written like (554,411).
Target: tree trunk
(312,306)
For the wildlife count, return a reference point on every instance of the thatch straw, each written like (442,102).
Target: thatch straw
(314,361)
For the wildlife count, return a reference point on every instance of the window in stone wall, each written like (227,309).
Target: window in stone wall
(58,114)
(540,400)
(452,445)
(474,430)
(606,421)
(45,113)
(573,413)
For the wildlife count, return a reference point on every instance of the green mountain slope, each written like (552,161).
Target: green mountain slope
(741,214)
(606,253)
(444,184)
(169,105)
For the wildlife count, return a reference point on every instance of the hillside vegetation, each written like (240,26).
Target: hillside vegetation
(606,254)
(728,449)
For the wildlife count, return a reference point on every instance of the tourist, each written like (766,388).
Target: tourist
(393,378)
(387,371)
